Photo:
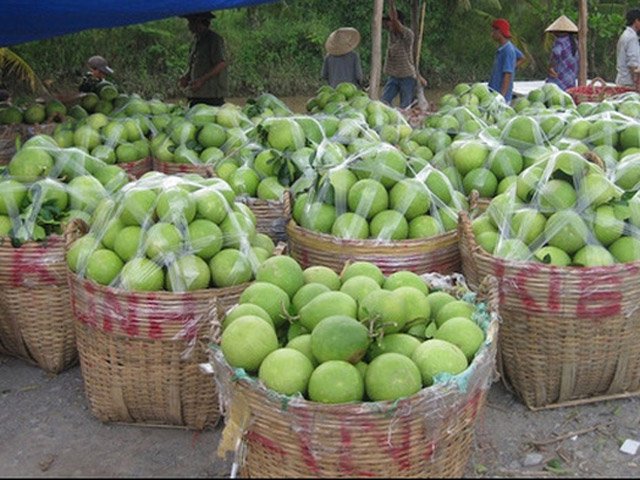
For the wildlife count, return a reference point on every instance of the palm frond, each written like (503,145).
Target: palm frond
(13,64)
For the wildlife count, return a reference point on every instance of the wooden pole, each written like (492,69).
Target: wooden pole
(376,50)
(582,42)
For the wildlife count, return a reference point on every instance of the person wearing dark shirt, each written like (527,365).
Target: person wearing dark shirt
(342,63)
(206,77)
(98,71)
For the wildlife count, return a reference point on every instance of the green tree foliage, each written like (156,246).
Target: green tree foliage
(279,47)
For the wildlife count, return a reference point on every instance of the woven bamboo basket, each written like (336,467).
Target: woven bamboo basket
(36,323)
(140,351)
(569,335)
(429,434)
(435,254)
(596,91)
(138,168)
(271,216)
(8,136)
(176,168)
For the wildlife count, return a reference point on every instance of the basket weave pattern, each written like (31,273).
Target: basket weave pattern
(137,168)
(169,168)
(271,216)
(140,352)
(435,254)
(429,434)
(36,323)
(596,91)
(568,334)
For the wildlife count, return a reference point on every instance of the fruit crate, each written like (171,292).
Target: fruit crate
(428,434)
(140,351)
(36,322)
(569,335)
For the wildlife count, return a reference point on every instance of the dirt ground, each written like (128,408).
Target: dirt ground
(47,430)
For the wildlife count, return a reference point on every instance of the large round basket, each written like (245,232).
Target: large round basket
(176,168)
(271,216)
(138,168)
(36,323)
(434,254)
(140,352)
(429,434)
(569,335)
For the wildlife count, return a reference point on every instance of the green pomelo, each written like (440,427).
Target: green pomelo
(141,275)
(567,231)
(389,225)
(230,267)
(306,293)
(29,164)
(463,333)
(368,197)
(488,241)
(396,342)
(469,156)
(188,273)
(137,206)
(392,376)
(528,225)
(596,189)
(512,249)
(282,271)
(323,275)
(127,243)
(339,338)
(359,287)
(162,240)
(264,241)
(606,226)
(247,342)
(552,256)
(286,371)
(237,230)
(362,268)
(245,309)
(175,206)
(271,298)
(302,343)
(80,251)
(456,308)
(556,195)
(85,192)
(626,249)
(435,357)
(12,194)
(482,180)
(440,186)
(336,382)
(205,238)
(326,305)
(593,256)
(351,226)
(405,278)
(103,266)
(417,308)
(437,300)
(318,217)
(385,309)
(410,197)
(425,226)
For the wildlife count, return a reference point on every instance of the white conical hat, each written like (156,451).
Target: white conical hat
(342,41)
(562,24)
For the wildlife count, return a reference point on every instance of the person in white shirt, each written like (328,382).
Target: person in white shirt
(628,51)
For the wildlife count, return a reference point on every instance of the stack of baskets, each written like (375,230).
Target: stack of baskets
(568,335)
(140,351)
(36,323)
(429,434)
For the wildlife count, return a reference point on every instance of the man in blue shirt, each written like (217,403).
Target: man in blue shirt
(504,65)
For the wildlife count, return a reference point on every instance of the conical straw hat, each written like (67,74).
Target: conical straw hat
(562,24)
(342,41)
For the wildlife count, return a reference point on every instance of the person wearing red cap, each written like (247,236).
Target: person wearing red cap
(504,65)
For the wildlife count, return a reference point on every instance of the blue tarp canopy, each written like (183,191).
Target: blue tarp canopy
(23,21)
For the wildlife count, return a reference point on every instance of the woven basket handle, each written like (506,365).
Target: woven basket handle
(474,196)
(466,236)
(76,228)
(489,291)
(287,202)
(597,82)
